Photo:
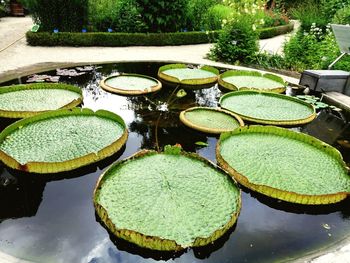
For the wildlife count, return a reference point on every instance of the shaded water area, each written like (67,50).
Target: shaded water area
(52,218)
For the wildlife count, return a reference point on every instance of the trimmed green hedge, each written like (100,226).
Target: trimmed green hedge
(275,31)
(119,39)
(135,39)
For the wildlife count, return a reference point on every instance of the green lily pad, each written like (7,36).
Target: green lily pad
(167,201)
(131,84)
(251,80)
(268,108)
(210,120)
(20,101)
(283,164)
(180,74)
(61,140)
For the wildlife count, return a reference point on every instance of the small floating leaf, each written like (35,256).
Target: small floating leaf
(181,93)
(201,144)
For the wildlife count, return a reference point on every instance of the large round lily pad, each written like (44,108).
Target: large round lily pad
(20,101)
(251,80)
(283,164)
(167,201)
(210,120)
(180,74)
(131,84)
(61,140)
(268,108)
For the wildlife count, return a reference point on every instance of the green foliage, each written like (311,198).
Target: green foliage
(330,7)
(309,14)
(120,16)
(315,49)
(161,15)
(275,31)
(238,41)
(213,18)
(119,39)
(342,16)
(66,16)
(196,10)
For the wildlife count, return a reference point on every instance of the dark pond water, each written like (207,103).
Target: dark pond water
(52,219)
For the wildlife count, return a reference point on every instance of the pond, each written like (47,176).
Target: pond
(52,218)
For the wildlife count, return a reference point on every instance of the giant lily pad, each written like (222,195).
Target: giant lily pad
(167,201)
(268,108)
(131,84)
(210,120)
(20,101)
(180,74)
(61,140)
(251,80)
(283,164)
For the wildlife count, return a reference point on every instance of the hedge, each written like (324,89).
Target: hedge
(119,39)
(136,39)
(276,31)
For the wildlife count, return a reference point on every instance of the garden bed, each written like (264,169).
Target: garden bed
(137,39)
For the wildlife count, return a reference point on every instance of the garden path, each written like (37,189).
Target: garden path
(17,57)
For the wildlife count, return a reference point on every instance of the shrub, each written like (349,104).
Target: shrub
(120,16)
(342,16)
(268,32)
(161,15)
(308,14)
(212,20)
(195,12)
(59,14)
(238,41)
(119,39)
(330,7)
(314,50)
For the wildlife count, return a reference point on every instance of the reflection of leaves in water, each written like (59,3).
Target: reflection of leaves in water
(208,97)
(19,196)
(92,88)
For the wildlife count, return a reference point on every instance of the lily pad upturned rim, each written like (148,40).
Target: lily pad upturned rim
(187,82)
(272,122)
(185,121)
(231,73)
(122,91)
(154,242)
(25,114)
(57,167)
(274,192)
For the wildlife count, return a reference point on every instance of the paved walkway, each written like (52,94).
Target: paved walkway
(17,59)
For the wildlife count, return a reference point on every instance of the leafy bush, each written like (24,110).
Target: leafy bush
(63,15)
(238,41)
(313,50)
(195,12)
(4,7)
(161,15)
(272,18)
(120,16)
(342,16)
(308,14)
(213,18)
(330,7)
